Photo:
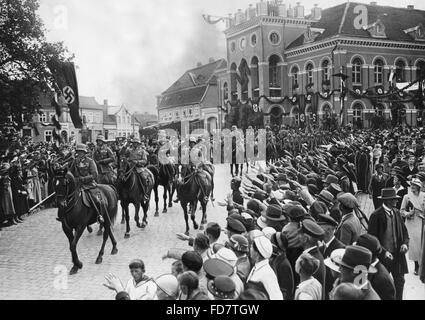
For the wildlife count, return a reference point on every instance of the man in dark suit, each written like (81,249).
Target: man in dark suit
(381,280)
(387,225)
(377,183)
(328,224)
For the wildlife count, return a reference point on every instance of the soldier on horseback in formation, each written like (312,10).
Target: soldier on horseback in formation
(104,158)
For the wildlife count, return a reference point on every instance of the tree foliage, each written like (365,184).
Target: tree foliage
(24,52)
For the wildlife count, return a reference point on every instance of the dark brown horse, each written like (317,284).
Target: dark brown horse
(77,214)
(165,176)
(131,190)
(196,186)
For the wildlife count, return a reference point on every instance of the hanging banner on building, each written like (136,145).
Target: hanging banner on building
(66,78)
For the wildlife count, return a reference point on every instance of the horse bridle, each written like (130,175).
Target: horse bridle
(64,196)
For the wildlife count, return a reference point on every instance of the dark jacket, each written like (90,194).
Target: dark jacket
(377,228)
(285,276)
(382,282)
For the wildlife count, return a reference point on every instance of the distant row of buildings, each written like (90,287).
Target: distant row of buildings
(275,51)
(110,121)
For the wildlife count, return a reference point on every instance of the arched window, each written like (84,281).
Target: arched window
(325,70)
(378,71)
(309,69)
(274,71)
(226,91)
(420,70)
(294,72)
(399,70)
(357,71)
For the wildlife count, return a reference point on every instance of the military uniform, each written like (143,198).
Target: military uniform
(104,158)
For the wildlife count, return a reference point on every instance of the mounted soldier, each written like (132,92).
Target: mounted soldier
(104,158)
(85,173)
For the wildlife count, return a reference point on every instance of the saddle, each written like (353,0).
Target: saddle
(146,180)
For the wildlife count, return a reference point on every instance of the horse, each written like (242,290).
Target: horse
(77,214)
(131,190)
(196,186)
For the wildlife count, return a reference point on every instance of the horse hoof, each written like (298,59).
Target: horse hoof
(126,236)
(144,224)
(99,233)
(170,205)
(156,214)
(99,260)
(164,211)
(74,270)
(201,227)
(122,221)
(89,229)
(114,251)
(195,226)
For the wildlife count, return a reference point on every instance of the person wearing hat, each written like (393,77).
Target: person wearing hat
(260,253)
(167,287)
(235,199)
(330,178)
(311,234)
(139,287)
(377,183)
(234,227)
(19,193)
(104,158)
(240,246)
(381,281)
(6,198)
(272,217)
(189,287)
(355,267)
(410,169)
(222,288)
(309,288)
(400,187)
(281,265)
(85,172)
(350,227)
(332,204)
(386,224)
(228,256)
(413,209)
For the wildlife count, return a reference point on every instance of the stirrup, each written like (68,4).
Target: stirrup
(100,220)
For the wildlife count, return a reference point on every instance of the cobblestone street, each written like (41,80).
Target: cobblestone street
(30,253)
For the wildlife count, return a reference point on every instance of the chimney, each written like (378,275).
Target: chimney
(239,17)
(250,12)
(282,10)
(373,3)
(290,12)
(199,64)
(230,22)
(211,60)
(410,7)
(299,10)
(262,8)
(105,102)
(316,12)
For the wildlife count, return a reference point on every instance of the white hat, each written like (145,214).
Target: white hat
(247,216)
(264,246)
(333,262)
(169,284)
(416,182)
(268,232)
(227,255)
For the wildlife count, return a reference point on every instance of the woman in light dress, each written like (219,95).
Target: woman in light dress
(413,208)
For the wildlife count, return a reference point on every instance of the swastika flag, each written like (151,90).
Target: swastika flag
(66,79)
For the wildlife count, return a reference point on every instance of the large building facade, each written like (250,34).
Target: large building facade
(275,51)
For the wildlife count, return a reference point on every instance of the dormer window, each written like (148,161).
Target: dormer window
(417,33)
(376,29)
(312,33)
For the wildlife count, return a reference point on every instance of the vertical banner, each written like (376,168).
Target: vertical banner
(66,78)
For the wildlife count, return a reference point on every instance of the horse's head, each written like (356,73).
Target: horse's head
(64,185)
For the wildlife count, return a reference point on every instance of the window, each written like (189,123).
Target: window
(97,118)
(42,117)
(274,37)
(274,71)
(380,110)
(357,71)
(233,46)
(325,70)
(242,43)
(90,117)
(119,120)
(226,91)
(48,134)
(420,69)
(254,40)
(309,70)
(378,71)
(190,112)
(357,113)
(294,73)
(399,71)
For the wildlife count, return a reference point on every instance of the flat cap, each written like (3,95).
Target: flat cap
(239,243)
(192,260)
(326,220)
(235,226)
(312,229)
(348,200)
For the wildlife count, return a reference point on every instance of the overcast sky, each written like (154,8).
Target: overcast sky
(129,51)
